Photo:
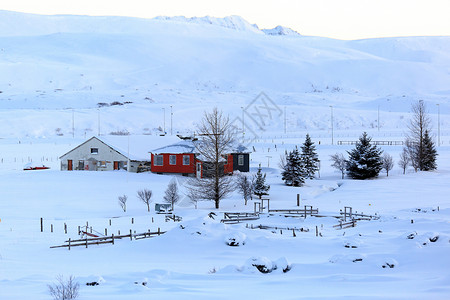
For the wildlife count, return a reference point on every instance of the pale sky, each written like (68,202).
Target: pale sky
(342,19)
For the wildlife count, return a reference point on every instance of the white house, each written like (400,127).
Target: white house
(108,153)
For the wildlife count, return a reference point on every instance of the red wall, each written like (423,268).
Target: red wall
(228,168)
(178,167)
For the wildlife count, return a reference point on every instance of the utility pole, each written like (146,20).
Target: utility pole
(243,124)
(164,120)
(439,124)
(332,126)
(171,117)
(378,119)
(73,124)
(98,122)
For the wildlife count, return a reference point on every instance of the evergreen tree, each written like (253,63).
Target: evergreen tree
(310,158)
(260,187)
(294,172)
(365,160)
(430,153)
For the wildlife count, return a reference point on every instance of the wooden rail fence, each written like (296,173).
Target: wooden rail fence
(236,217)
(307,210)
(378,143)
(107,239)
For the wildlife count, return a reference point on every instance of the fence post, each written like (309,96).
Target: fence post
(132,220)
(79,230)
(159,231)
(86,241)
(42,225)
(106,231)
(298,199)
(69,244)
(131,236)
(112,237)
(65,228)
(317,231)
(51,227)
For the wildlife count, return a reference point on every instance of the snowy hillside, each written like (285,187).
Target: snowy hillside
(66,78)
(55,63)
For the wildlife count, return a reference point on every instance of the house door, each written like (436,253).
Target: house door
(199,170)
(69,165)
(116,165)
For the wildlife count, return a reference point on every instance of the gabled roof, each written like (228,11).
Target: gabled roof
(134,147)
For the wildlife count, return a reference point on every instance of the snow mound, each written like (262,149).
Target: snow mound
(235,239)
(259,264)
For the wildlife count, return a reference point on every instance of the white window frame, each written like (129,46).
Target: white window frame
(94,150)
(186,160)
(241,160)
(156,158)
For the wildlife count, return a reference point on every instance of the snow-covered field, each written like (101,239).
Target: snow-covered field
(66,78)
(193,261)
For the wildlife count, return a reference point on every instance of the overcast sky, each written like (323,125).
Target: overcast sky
(342,19)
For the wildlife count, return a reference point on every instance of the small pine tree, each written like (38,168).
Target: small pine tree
(429,153)
(310,158)
(365,160)
(260,187)
(294,172)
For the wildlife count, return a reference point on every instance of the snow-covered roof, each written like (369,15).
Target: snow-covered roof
(185,146)
(136,147)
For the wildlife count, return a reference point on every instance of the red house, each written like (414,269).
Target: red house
(181,158)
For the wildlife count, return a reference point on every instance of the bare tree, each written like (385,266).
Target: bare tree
(146,197)
(339,162)
(204,189)
(245,186)
(404,160)
(123,202)
(216,139)
(64,288)
(172,195)
(419,126)
(387,162)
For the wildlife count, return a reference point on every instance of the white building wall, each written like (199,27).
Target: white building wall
(103,160)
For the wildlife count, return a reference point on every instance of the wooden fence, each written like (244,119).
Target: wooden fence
(107,239)
(307,210)
(378,143)
(236,217)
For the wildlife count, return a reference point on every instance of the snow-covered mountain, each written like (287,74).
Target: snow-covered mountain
(281,30)
(81,62)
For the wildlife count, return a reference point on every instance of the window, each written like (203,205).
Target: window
(103,164)
(186,160)
(240,160)
(172,160)
(94,150)
(158,160)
